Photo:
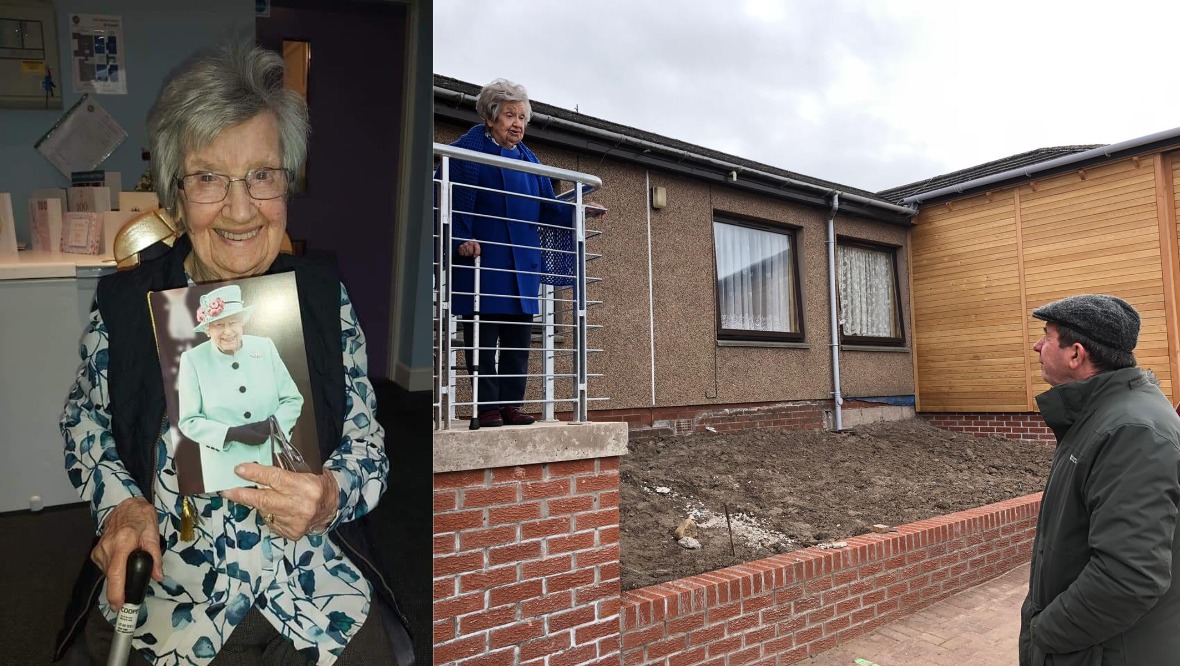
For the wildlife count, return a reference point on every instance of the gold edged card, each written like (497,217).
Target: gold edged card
(236,380)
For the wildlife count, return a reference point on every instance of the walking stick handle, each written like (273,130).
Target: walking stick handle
(139,571)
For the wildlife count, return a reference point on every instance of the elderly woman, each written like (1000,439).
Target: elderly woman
(231,426)
(281,573)
(502,228)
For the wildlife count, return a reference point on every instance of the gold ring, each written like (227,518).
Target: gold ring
(270,518)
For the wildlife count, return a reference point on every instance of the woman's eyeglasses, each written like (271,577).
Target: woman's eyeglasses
(261,184)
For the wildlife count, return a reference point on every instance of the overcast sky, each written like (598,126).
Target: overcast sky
(870,93)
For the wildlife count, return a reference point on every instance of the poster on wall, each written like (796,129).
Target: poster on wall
(82,138)
(97,54)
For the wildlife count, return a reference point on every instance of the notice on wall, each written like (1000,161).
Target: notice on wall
(96,54)
(83,137)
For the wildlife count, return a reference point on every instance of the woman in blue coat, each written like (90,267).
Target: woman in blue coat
(504,231)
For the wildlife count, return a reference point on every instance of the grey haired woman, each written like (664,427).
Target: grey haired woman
(281,573)
(500,214)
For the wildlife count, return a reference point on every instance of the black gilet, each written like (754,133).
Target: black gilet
(136,391)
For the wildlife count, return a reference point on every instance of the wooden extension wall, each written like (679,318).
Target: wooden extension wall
(983,263)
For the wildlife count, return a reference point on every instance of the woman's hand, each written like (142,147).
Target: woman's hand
(595,209)
(293,503)
(133,524)
(469,249)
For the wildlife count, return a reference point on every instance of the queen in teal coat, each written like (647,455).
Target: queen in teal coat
(229,387)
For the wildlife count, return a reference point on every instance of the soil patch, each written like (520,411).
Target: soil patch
(790,489)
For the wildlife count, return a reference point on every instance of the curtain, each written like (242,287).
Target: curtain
(868,301)
(755,279)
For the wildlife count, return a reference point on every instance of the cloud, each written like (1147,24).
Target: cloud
(867,94)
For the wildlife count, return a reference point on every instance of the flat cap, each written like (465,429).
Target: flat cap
(1104,319)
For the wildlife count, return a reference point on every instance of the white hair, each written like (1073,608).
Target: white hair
(495,94)
(213,91)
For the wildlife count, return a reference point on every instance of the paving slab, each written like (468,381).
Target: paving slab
(982,623)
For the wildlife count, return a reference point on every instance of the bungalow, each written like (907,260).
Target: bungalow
(718,298)
(734,295)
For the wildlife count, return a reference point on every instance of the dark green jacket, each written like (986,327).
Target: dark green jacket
(1105,554)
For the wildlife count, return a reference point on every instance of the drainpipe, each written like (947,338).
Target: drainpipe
(837,399)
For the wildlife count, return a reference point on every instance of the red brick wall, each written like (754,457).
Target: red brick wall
(1027,427)
(788,607)
(526,571)
(526,564)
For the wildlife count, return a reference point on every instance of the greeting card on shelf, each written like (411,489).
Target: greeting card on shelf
(112,222)
(52,193)
(81,233)
(138,202)
(89,199)
(112,180)
(7,225)
(45,223)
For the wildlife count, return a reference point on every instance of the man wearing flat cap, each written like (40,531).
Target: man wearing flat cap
(1105,554)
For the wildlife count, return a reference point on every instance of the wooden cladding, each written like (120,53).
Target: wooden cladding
(983,264)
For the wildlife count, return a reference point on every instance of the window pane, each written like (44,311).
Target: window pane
(868,301)
(755,280)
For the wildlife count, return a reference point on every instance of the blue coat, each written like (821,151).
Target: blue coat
(519,291)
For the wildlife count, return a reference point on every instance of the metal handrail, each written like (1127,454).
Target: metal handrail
(448,371)
(444,150)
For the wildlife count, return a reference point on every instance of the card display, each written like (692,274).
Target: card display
(81,233)
(45,219)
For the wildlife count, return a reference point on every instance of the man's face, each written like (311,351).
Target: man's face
(1055,361)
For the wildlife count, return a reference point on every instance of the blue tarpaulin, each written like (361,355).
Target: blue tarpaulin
(895,400)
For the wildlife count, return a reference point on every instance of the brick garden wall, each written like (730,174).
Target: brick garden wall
(1026,427)
(526,571)
(788,607)
(526,564)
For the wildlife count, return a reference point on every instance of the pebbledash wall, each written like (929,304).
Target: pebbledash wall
(526,566)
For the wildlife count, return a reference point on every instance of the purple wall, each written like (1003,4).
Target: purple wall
(355,98)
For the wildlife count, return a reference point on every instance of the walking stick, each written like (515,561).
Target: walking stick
(139,570)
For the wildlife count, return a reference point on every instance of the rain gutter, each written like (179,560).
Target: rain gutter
(1112,150)
(545,121)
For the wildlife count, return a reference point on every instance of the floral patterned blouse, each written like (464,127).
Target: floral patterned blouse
(307,589)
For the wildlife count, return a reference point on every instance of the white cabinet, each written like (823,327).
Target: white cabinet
(41,322)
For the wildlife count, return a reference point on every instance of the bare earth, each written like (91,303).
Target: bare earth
(790,489)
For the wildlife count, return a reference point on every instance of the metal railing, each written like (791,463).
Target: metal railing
(563,280)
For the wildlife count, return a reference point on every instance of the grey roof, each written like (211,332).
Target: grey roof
(565,114)
(896,194)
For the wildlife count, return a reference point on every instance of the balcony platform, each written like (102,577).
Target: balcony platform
(458,448)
